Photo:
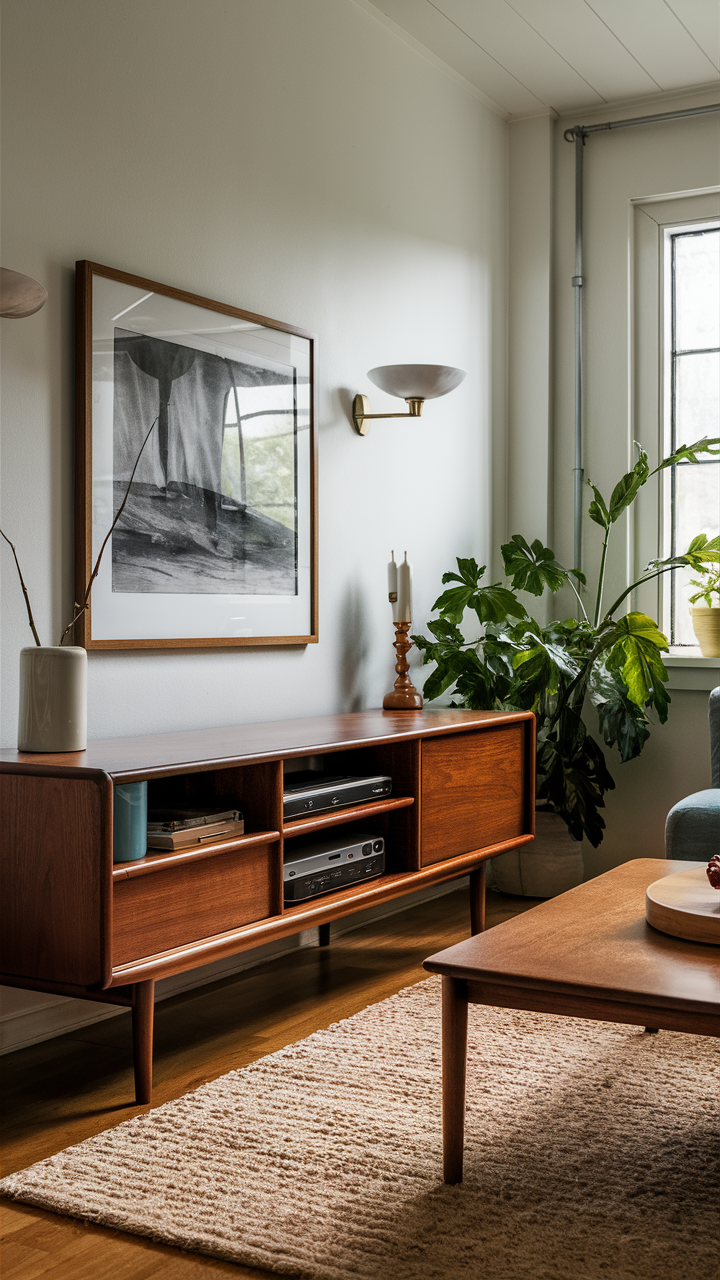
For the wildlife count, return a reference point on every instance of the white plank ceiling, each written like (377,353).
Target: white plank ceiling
(530,56)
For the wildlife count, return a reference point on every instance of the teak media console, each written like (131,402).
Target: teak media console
(75,924)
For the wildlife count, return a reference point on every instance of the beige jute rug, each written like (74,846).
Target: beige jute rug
(591,1151)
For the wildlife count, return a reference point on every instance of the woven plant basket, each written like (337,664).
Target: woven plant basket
(549,866)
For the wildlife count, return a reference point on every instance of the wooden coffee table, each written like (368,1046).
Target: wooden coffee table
(589,954)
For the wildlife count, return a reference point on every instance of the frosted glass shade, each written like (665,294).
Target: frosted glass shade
(20,295)
(416,381)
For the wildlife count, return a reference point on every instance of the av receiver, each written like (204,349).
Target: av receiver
(312,868)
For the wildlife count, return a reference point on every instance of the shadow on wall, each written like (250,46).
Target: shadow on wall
(355,648)
(674,763)
(344,401)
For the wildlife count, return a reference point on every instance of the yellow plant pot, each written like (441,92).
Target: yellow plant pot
(706,625)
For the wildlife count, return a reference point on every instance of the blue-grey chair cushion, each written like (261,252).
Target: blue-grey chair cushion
(692,830)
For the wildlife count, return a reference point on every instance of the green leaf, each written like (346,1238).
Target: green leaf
(532,568)
(453,603)
(576,636)
(469,574)
(707,552)
(597,509)
(496,603)
(627,489)
(477,689)
(635,645)
(689,452)
(541,666)
(622,722)
(469,571)
(699,553)
(639,625)
(444,629)
(473,679)
(445,674)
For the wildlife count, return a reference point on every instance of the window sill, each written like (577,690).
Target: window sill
(688,669)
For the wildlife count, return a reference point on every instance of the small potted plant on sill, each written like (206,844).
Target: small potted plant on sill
(706,616)
(600,660)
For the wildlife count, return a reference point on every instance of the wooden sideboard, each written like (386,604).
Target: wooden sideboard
(76,924)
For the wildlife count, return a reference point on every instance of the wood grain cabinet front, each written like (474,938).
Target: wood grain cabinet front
(75,924)
(177,906)
(54,908)
(473,791)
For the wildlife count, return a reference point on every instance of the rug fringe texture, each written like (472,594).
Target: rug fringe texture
(591,1154)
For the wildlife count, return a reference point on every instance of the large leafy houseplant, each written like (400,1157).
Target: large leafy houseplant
(599,659)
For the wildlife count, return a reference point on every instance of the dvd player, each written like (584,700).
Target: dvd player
(312,868)
(313,792)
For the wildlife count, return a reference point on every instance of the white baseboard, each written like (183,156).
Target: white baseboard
(30,1017)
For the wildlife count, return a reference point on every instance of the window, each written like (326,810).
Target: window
(258,454)
(691,402)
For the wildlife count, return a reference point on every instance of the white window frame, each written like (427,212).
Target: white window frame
(669,232)
(650,219)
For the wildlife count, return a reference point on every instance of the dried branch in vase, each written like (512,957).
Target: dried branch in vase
(80,607)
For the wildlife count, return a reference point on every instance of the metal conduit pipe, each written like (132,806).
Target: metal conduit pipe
(577,135)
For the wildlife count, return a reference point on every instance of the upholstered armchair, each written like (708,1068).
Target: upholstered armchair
(692,830)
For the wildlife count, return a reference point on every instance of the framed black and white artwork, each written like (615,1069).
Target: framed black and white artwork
(214,409)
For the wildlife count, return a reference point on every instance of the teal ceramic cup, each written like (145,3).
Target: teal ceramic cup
(130,821)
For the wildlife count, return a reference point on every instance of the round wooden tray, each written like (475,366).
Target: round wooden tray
(685,905)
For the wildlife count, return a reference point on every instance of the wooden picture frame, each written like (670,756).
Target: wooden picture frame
(217,544)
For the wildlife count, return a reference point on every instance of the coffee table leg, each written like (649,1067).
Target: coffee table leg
(454,1059)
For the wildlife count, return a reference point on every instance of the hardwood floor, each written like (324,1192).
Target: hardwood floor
(64,1090)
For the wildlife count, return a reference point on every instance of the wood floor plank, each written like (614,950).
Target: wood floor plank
(64,1090)
(14,1218)
(22,1263)
(69,1250)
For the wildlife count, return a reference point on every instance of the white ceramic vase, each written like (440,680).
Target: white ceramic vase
(53,699)
(549,866)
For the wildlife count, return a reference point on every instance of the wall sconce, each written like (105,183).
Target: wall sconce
(20,295)
(413,383)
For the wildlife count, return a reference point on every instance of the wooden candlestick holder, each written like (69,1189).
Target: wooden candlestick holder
(404,697)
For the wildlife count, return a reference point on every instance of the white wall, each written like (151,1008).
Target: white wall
(619,166)
(301,161)
(530,392)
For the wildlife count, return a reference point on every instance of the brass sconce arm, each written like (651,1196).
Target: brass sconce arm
(361,404)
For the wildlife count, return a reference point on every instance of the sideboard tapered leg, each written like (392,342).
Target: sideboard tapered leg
(142,1028)
(324,935)
(477,900)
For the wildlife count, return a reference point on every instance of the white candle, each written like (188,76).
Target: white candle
(404,604)
(393,584)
